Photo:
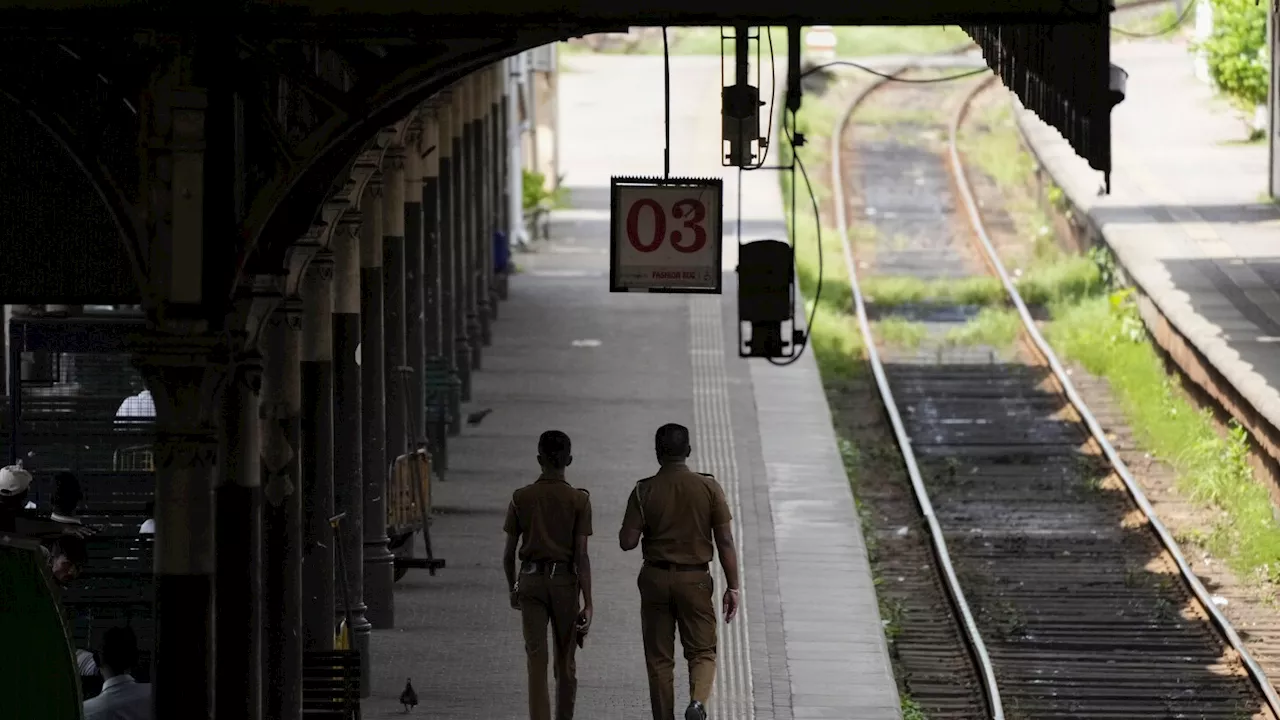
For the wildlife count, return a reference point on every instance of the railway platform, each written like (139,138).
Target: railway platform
(609,369)
(1189,222)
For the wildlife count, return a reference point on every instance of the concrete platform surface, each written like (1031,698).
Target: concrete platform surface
(608,369)
(1187,219)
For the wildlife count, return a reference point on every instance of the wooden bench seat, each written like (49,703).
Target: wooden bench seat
(331,685)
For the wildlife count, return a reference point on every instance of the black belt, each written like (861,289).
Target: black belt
(678,567)
(546,567)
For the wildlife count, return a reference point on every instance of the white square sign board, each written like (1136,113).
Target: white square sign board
(666,235)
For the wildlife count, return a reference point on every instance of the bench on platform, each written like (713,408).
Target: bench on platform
(331,685)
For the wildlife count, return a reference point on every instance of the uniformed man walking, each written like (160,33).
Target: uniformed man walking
(554,520)
(684,519)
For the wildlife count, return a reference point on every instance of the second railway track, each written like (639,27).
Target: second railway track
(1053,592)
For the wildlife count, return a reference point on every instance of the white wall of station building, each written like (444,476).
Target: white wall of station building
(535,122)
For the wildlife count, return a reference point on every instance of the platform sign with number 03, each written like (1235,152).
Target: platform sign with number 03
(666,235)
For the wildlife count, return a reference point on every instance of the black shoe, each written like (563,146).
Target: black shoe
(695,711)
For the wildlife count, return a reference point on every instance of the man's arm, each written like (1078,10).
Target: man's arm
(728,554)
(509,559)
(632,522)
(722,532)
(729,561)
(583,562)
(512,527)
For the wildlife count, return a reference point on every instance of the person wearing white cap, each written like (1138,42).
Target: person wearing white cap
(15,516)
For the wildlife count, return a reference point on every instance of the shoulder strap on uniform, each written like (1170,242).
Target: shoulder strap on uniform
(713,477)
(584,491)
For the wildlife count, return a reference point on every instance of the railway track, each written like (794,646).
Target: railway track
(1053,590)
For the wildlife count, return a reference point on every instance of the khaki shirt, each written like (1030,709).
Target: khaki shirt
(675,510)
(548,515)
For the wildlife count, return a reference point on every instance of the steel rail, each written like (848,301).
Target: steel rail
(970,627)
(1189,577)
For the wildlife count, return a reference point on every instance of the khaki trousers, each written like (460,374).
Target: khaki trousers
(671,599)
(553,599)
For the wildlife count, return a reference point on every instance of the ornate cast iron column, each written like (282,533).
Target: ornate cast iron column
(438,383)
(378,561)
(449,240)
(317,454)
(281,450)
(484,207)
(474,221)
(348,488)
(501,184)
(393,317)
(185,373)
(238,593)
(461,238)
(414,341)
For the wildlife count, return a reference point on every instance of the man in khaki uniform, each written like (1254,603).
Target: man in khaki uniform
(554,520)
(684,519)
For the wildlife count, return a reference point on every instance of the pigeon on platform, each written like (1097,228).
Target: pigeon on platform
(408,698)
(476,418)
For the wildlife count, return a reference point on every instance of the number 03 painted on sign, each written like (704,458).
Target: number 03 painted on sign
(690,211)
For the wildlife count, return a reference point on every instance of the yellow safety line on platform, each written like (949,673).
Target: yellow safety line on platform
(733,697)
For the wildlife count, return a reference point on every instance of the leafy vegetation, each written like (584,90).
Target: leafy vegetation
(1106,336)
(535,192)
(899,332)
(1236,51)
(994,327)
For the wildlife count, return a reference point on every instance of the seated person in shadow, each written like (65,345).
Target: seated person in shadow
(122,698)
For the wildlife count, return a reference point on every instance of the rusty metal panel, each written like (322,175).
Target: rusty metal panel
(1061,72)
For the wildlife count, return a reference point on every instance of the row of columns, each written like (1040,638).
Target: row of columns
(311,413)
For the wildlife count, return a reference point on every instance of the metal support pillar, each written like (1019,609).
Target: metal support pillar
(238,592)
(447,209)
(1273,106)
(184,364)
(393,318)
(282,556)
(461,238)
(185,375)
(317,454)
(378,560)
(498,183)
(438,384)
(415,342)
(513,164)
(484,207)
(348,488)
(473,208)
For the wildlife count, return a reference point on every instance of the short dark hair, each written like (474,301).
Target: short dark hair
(555,448)
(73,548)
(672,441)
(66,493)
(119,649)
